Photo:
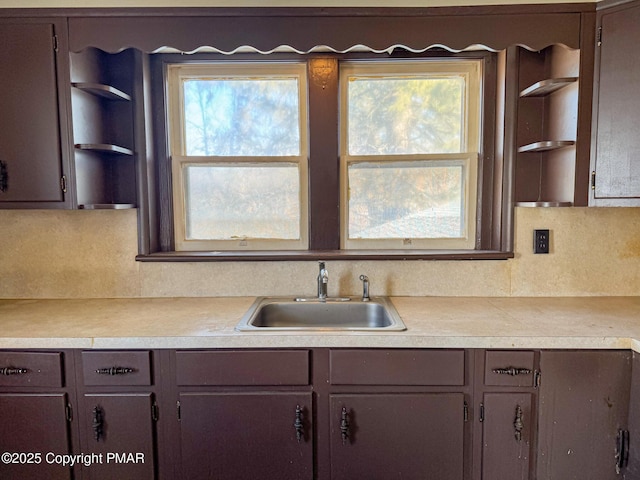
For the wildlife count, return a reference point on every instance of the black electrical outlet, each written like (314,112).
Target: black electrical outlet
(541,241)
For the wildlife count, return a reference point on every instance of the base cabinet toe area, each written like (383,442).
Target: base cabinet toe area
(320,414)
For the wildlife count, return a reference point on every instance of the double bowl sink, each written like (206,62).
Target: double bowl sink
(312,314)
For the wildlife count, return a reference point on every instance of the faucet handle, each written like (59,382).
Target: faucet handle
(365,288)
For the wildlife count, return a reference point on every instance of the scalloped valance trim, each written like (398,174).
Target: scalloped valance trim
(305,34)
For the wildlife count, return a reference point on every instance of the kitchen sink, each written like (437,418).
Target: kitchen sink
(311,314)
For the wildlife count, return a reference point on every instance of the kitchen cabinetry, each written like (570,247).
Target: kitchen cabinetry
(35,415)
(244,415)
(615,144)
(584,406)
(103,128)
(389,435)
(451,414)
(33,160)
(118,413)
(547,158)
(507,413)
(415,431)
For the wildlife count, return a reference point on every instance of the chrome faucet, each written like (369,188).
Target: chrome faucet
(365,288)
(323,282)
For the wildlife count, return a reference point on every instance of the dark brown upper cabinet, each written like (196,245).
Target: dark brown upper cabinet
(615,145)
(33,152)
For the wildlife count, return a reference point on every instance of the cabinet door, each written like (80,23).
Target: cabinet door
(34,423)
(245,436)
(119,429)
(408,436)
(29,121)
(617,107)
(506,436)
(583,402)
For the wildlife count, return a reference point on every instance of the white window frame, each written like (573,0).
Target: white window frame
(471,70)
(176,74)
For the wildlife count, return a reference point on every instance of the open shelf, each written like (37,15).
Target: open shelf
(546,87)
(106,206)
(543,204)
(104,147)
(546,145)
(102,104)
(101,90)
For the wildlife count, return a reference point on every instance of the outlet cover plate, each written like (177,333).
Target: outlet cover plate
(541,240)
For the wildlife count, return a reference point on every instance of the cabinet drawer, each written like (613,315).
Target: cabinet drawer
(289,367)
(30,369)
(397,367)
(509,368)
(104,368)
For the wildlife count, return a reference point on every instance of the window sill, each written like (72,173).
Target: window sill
(228,256)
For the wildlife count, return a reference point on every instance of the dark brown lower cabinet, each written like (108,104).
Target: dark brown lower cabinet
(584,405)
(412,436)
(33,430)
(310,415)
(119,430)
(507,425)
(246,436)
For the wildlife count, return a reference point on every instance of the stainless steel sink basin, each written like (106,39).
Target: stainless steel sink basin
(275,314)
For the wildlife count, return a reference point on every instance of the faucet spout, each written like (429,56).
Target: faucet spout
(323,281)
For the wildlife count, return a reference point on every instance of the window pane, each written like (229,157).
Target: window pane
(406,200)
(242,117)
(405,115)
(226,202)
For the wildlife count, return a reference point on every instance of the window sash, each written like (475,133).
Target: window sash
(471,70)
(175,74)
(467,239)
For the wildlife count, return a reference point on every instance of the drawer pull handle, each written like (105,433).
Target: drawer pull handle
(97,423)
(344,426)
(518,424)
(114,371)
(13,371)
(513,371)
(299,424)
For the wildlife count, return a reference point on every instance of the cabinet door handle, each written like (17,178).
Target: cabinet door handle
(298,424)
(98,423)
(513,371)
(114,371)
(4,177)
(344,425)
(622,450)
(13,371)
(518,424)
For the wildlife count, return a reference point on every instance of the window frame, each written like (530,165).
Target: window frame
(494,204)
(175,73)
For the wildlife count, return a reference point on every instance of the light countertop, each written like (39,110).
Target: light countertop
(432,322)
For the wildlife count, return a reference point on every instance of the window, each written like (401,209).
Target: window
(238,148)
(409,154)
(371,156)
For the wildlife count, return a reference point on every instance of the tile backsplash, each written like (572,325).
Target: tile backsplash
(74,254)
